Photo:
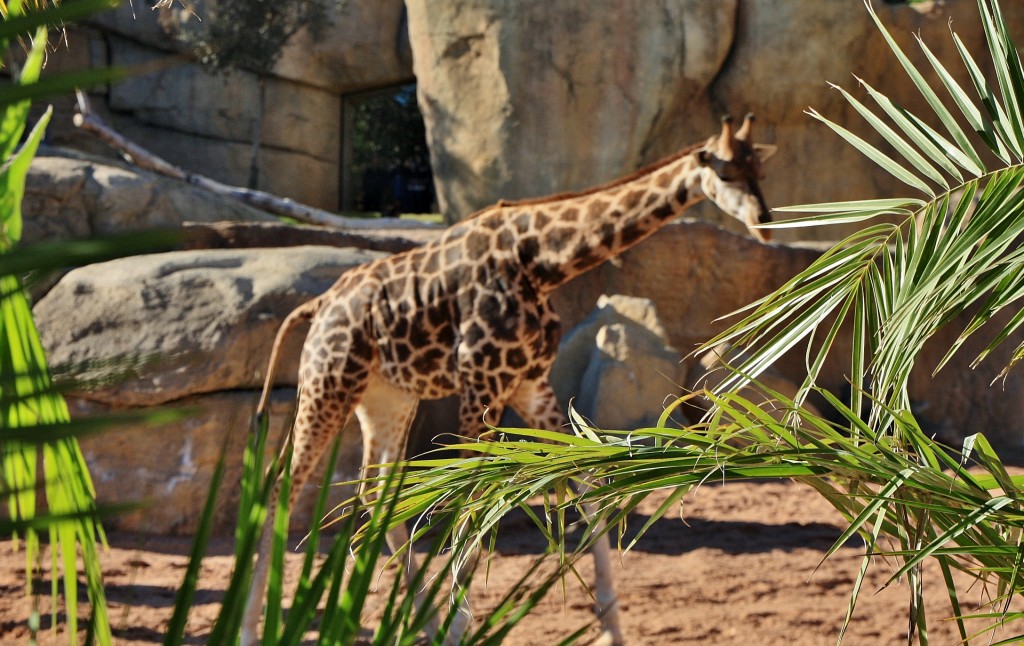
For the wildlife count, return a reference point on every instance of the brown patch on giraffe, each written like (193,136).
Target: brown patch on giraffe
(477,244)
(506,238)
(489,355)
(474,334)
(402,352)
(632,199)
(591,258)
(439,320)
(681,196)
(428,361)
(515,358)
(596,209)
(443,383)
(529,249)
(664,212)
(400,329)
(483,274)
(431,262)
(560,237)
(550,274)
(419,337)
(632,232)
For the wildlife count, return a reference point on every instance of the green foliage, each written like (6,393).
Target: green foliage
(964,514)
(38,449)
(954,249)
(27,394)
(251,34)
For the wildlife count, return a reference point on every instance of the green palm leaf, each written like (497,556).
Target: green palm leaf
(950,252)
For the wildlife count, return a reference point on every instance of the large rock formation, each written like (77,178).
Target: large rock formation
(528,99)
(186,329)
(523,100)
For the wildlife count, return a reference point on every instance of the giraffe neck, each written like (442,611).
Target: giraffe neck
(561,238)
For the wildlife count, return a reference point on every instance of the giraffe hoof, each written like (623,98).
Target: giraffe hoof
(608,638)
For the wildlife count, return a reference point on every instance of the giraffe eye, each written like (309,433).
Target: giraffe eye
(727,172)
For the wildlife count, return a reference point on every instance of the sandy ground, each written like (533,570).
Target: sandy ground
(743,569)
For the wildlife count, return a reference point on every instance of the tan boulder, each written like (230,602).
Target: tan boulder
(75,196)
(148,330)
(617,368)
(527,99)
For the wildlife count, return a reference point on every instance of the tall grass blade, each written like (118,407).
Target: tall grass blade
(183,599)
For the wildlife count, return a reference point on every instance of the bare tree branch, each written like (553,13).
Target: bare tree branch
(139,156)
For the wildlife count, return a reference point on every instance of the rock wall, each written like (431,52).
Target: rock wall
(204,122)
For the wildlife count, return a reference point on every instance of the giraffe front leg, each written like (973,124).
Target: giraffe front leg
(537,404)
(385,414)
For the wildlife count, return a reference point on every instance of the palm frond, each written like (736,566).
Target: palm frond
(956,249)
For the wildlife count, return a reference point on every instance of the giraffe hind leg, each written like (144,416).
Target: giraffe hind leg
(320,415)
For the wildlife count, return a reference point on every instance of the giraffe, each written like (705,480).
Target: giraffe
(468,314)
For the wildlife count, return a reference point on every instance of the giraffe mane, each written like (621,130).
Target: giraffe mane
(554,197)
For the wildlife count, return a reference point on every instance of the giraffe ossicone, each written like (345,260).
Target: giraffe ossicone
(468,314)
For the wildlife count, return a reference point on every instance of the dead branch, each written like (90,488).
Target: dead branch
(248,235)
(139,156)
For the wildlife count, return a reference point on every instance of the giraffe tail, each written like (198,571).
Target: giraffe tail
(300,314)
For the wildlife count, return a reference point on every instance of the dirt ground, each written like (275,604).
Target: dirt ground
(742,569)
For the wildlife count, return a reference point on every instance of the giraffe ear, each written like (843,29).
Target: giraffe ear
(765,151)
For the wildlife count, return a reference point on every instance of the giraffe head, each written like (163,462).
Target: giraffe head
(730,169)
